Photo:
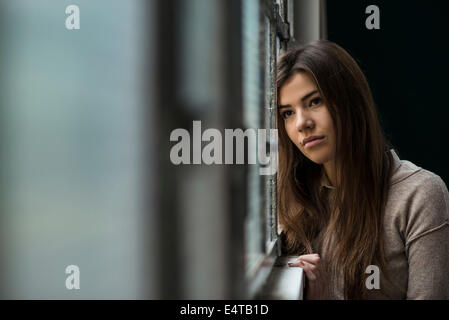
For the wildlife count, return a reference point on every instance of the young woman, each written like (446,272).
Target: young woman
(365,224)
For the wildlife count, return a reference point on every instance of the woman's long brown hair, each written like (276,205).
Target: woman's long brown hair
(363,169)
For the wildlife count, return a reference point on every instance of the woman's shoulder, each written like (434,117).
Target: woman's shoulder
(407,174)
(419,187)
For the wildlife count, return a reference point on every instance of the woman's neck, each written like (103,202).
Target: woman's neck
(330,170)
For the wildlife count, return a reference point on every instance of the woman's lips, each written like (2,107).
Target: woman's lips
(313,142)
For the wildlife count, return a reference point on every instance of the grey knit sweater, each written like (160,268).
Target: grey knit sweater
(416,232)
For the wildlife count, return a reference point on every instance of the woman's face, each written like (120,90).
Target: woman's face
(306,118)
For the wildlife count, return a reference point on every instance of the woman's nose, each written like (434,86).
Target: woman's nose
(303,121)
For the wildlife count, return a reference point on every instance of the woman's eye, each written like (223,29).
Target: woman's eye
(287,114)
(315,101)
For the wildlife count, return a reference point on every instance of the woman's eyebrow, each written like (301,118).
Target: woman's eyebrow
(302,99)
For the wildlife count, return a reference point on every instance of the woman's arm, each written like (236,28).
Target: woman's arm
(428,257)
(427,242)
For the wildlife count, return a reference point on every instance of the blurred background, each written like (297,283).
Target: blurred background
(86,116)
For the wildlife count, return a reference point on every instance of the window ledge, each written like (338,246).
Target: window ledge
(284,282)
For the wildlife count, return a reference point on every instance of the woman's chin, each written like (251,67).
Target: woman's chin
(319,159)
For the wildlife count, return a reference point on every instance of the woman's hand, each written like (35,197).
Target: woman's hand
(316,281)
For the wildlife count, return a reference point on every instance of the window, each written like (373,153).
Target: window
(261,45)
(86,176)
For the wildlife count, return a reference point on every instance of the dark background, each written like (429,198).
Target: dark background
(406,64)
